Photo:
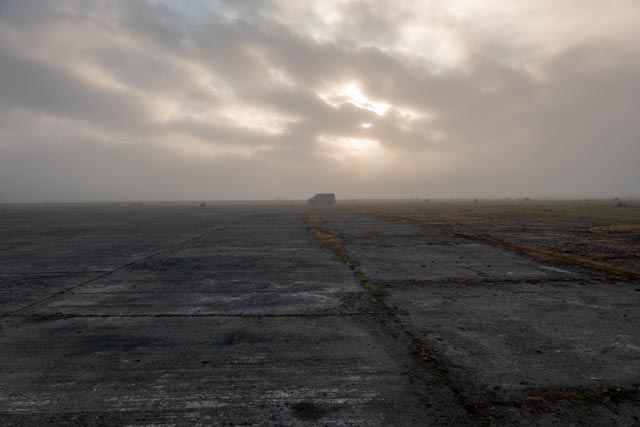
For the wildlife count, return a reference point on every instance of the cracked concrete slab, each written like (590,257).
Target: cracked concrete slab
(517,338)
(284,371)
(510,338)
(208,275)
(255,323)
(236,314)
(394,250)
(76,239)
(19,290)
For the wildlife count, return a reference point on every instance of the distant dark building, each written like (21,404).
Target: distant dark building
(322,199)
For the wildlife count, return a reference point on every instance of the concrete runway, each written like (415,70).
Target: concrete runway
(238,314)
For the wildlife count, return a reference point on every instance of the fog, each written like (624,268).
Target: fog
(181,100)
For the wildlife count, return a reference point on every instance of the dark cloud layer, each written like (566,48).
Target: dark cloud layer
(231,100)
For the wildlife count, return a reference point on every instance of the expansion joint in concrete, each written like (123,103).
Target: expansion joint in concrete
(419,348)
(129,264)
(43,316)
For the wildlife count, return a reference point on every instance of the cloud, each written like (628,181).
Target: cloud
(160,99)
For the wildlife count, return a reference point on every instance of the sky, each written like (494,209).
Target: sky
(259,99)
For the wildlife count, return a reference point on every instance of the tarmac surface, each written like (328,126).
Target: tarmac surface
(259,314)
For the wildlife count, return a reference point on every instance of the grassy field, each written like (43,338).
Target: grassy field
(581,210)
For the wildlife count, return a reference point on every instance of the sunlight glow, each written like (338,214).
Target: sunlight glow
(351,94)
(358,144)
(357,98)
(408,119)
(353,151)
(365,125)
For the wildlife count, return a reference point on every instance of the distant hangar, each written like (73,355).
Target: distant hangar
(322,199)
